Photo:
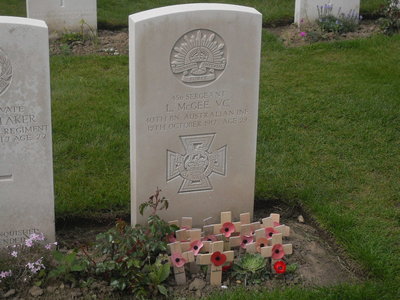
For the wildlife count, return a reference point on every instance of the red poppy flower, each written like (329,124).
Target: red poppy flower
(269,231)
(218,258)
(227,267)
(280,267)
(227,229)
(262,242)
(195,246)
(177,260)
(277,251)
(171,237)
(210,238)
(246,239)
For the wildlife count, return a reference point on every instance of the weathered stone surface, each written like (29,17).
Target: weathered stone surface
(26,163)
(9,293)
(197,284)
(64,15)
(194,80)
(35,291)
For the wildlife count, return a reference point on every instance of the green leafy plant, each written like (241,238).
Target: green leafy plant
(156,274)
(70,37)
(90,33)
(68,266)
(341,23)
(251,268)
(292,268)
(132,258)
(390,22)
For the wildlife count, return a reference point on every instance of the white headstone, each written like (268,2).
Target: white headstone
(194,81)
(26,164)
(307,10)
(64,15)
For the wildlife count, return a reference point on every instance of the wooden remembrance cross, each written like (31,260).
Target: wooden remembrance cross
(182,258)
(215,259)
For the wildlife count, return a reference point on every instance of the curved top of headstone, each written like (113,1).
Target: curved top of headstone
(22,21)
(167,10)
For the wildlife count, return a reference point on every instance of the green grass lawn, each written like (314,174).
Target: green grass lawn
(329,138)
(114,13)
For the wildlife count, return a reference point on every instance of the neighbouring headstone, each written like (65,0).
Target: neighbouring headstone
(26,164)
(64,16)
(194,82)
(307,10)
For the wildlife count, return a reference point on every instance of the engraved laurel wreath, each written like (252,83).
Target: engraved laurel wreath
(5,72)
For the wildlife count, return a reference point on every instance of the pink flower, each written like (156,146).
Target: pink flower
(28,243)
(227,229)
(48,246)
(195,246)
(36,266)
(246,239)
(14,253)
(277,251)
(34,237)
(269,231)
(5,274)
(30,265)
(262,242)
(302,34)
(210,238)
(177,260)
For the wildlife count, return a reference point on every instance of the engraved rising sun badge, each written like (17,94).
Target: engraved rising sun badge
(198,57)
(197,164)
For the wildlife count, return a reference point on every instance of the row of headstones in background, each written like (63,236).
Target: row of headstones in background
(194,75)
(307,10)
(213,245)
(65,16)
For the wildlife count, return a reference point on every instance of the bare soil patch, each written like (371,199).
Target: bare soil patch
(293,36)
(106,43)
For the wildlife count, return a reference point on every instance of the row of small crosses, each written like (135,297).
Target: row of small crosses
(197,247)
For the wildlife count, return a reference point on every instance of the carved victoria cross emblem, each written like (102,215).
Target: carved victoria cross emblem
(197,164)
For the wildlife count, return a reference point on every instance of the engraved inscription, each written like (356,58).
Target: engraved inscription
(198,57)
(17,124)
(197,164)
(199,110)
(5,72)
(10,238)
(6,177)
